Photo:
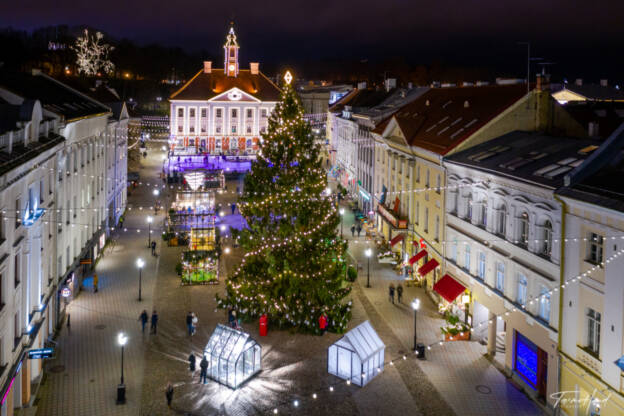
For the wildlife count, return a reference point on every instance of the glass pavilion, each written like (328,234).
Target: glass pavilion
(233,356)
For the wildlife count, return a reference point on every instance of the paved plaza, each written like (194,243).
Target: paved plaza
(83,378)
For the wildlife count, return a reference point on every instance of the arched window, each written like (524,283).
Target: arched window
(546,242)
(501,221)
(484,209)
(469,207)
(523,229)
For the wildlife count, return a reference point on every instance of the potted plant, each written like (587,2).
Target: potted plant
(455,330)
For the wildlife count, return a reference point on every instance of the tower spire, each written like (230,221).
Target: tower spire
(231,53)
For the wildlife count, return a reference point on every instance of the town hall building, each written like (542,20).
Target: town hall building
(222,111)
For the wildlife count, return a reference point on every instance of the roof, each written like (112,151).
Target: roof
(361,99)
(441,118)
(364,341)
(100,92)
(605,115)
(531,157)
(392,103)
(596,92)
(21,154)
(228,343)
(204,86)
(54,96)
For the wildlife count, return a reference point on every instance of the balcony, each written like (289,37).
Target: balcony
(589,359)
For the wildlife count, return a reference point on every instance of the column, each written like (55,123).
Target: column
(491,343)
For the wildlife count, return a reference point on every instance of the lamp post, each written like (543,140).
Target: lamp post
(415,306)
(466,302)
(140,263)
(341,218)
(121,388)
(368,253)
(149,231)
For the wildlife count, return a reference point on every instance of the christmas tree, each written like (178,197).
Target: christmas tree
(293,268)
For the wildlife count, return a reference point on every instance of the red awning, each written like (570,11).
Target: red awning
(449,288)
(396,240)
(427,267)
(417,257)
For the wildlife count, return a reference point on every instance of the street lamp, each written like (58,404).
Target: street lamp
(415,306)
(341,218)
(121,388)
(156,192)
(149,231)
(368,253)
(140,263)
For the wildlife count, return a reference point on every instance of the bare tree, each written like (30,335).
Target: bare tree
(92,54)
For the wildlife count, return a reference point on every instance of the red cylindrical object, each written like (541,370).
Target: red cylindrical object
(263,325)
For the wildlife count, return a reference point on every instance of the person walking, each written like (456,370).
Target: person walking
(121,221)
(95,282)
(153,248)
(143,319)
(154,323)
(189,323)
(194,321)
(191,360)
(169,394)
(399,292)
(391,292)
(203,366)
(323,323)
(233,208)
(353,230)
(359,229)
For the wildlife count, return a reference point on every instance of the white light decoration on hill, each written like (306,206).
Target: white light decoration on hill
(194,179)
(92,54)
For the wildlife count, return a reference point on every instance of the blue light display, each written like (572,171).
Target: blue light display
(526,359)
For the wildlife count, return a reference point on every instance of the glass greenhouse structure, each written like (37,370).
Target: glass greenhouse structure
(233,356)
(358,356)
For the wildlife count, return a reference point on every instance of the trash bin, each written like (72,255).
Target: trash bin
(263,325)
(420,349)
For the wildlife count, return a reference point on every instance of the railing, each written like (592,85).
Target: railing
(589,360)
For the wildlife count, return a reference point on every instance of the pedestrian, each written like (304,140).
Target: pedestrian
(189,323)
(359,229)
(391,290)
(95,282)
(353,230)
(121,220)
(233,208)
(153,248)
(154,323)
(323,323)
(399,292)
(169,394)
(194,321)
(143,319)
(203,373)
(233,319)
(191,360)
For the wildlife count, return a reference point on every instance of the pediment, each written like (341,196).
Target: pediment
(234,95)
(394,135)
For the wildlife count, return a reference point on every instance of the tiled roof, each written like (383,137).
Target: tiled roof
(532,157)
(596,92)
(204,86)
(442,118)
(359,100)
(54,96)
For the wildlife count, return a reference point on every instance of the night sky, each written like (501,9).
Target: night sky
(582,37)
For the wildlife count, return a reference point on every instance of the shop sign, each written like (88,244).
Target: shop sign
(365,194)
(66,292)
(397,223)
(102,241)
(526,360)
(40,353)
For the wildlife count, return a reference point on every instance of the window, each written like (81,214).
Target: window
(593,330)
(219,113)
(41,191)
(234,113)
(438,184)
(416,212)
(501,221)
(418,174)
(426,225)
(595,248)
(521,294)
(523,229)
(454,251)
(437,228)
(192,112)
(481,270)
(218,130)
(203,113)
(500,277)
(467,258)
(249,113)
(16,269)
(18,212)
(1,295)
(483,214)
(546,242)
(469,207)
(544,304)
(234,129)
(263,112)
(17,330)
(180,128)
(180,112)
(427,179)
(452,202)
(248,129)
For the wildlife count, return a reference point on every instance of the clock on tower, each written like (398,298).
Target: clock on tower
(231,54)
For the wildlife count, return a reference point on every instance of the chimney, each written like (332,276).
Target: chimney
(207,67)
(254,68)
(579,81)
(543,82)
(604,82)
(361,85)
(390,83)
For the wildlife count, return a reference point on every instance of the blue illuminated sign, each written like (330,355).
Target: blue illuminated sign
(526,360)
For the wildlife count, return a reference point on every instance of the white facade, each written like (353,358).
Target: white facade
(342,136)
(116,167)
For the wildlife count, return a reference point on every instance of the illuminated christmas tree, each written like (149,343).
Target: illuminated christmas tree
(293,268)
